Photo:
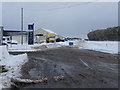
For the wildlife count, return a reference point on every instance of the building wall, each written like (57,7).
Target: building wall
(18,39)
(40,38)
(44,32)
(0,13)
(41,31)
(1,34)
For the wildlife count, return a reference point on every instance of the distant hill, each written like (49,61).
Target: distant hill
(110,34)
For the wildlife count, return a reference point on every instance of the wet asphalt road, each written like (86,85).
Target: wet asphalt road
(80,68)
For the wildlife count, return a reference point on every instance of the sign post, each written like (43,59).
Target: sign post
(1,34)
(30,34)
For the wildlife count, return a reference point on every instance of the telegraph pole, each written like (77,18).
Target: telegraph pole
(22,26)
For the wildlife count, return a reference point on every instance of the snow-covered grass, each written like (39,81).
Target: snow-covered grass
(102,46)
(63,43)
(30,48)
(20,48)
(13,63)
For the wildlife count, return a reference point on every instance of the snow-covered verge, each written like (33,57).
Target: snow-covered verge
(35,47)
(13,63)
(102,46)
(20,48)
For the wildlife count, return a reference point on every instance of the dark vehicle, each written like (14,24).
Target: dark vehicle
(4,43)
(59,40)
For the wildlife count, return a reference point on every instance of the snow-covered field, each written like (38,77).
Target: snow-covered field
(13,64)
(102,46)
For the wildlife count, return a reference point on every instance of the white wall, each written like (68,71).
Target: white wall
(0,22)
(0,13)
(18,39)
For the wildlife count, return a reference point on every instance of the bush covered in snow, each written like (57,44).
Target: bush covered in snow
(110,34)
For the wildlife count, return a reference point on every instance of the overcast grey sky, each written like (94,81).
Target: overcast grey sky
(65,18)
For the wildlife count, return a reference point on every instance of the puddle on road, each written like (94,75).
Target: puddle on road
(34,74)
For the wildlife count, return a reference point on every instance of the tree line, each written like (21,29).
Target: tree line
(109,34)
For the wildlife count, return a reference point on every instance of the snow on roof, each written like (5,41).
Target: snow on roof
(6,36)
(13,30)
(48,30)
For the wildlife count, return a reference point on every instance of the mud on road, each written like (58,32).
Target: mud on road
(80,68)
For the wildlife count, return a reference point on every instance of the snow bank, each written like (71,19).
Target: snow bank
(13,63)
(46,46)
(63,43)
(102,46)
(53,45)
(30,48)
(20,48)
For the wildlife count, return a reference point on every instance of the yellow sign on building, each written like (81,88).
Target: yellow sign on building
(50,35)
